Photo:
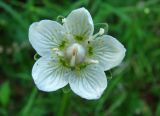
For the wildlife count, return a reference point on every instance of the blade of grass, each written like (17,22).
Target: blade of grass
(63,104)
(14,14)
(28,106)
(101,103)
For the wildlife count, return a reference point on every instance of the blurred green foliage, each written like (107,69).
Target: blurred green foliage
(134,88)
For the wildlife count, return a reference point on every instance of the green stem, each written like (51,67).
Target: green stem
(27,108)
(63,104)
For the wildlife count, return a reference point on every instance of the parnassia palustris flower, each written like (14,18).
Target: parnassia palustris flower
(71,54)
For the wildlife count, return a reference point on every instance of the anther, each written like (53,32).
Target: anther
(58,52)
(101,32)
(63,20)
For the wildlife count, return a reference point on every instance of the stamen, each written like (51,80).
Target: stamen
(101,32)
(91,61)
(58,52)
(63,20)
(55,49)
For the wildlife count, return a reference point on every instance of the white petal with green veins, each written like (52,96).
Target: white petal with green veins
(108,51)
(49,74)
(89,82)
(45,35)
(79,23)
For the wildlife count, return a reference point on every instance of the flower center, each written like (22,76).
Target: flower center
(75,54)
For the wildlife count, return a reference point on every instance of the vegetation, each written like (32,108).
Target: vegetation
(133,87)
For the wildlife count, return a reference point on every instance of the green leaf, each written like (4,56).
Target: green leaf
(158,110)
(5,93)
(117,103)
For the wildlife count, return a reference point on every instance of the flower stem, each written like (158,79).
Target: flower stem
(63,104)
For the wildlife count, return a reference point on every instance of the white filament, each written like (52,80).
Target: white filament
(101,32)
(91,61)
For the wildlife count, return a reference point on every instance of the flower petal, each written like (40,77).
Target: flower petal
(89,82)
(45,35)
(49,74)
(79,23)
(108,51)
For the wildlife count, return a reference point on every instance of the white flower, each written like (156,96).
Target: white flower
(71,54)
